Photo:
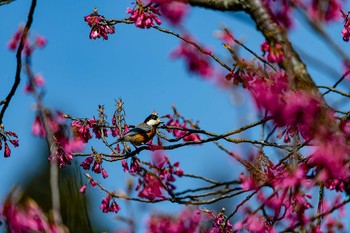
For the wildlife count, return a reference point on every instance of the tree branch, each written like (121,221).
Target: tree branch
(300,78)
(12,92)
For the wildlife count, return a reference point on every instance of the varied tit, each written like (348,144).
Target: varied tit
(143,132)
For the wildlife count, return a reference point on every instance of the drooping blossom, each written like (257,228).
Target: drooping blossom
(281,11)
(63,143)
(7,151)
(176,121)
(86,164)
(274,52)
(13,43)
(100,27)
(5,137)
(187,220)
(108,204)
(26,217)
(40,41)
(346,30)
(155,179)
(197,61)
(329,156)
(144,15)
(325,11)
(82,189)
(28,44)
(37,82)
(81,130)
(173,11)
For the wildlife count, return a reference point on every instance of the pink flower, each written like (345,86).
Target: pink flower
(281,11)
(106,206)
(7,151)
(144,16)
(345,127)
(196,61)
(100,27)
(220,226)
(173,11)
(87,163)
(81,130)
(255,223)
(38,81)
(274,53)
(346,30)
(14,142)
(40,41)
(247,182)
(325,11)
(152,188)
(82,189)
(104,173)
(186,221)
(93,183)
(38,127)
(96,167)
(125,166)
(331,155)
(25,217)
(12,45)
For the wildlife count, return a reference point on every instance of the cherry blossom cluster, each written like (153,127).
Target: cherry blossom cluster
(274,52)
(26,217)
(240,74)
(7,137)
(325,11)
(64,144)
(173,11)
(108,204)
(96,161)
(29,46)
(293,207)
(100,27)
(182,126)
(37,82)
(187,220)
(154,178)
(196,61)
(220,222)
(282,11)
(294,112)
(144,15)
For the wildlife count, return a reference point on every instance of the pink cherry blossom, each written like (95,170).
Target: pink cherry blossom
(99,26)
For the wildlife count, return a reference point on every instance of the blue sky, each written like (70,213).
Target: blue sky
(133,64)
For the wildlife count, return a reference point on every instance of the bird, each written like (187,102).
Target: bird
(142,133)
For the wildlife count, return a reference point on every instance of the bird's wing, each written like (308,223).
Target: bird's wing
(142,128)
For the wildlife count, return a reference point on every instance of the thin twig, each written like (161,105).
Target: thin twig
(24,36)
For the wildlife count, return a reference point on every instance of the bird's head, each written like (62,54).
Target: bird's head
(153,120)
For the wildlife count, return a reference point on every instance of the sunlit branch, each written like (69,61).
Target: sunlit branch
(332,89)
(339,81)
